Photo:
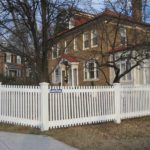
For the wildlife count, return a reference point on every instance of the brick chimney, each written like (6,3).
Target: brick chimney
(137,10)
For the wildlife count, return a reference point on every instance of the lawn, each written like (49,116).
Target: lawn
(131,134)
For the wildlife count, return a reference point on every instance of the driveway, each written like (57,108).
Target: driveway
(13,141)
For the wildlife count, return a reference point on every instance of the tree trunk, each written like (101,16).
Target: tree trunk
(44,61)
(117,78)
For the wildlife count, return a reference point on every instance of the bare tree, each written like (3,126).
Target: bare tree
(131,46)
(27,25)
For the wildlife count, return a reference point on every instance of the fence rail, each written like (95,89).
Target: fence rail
(54,107)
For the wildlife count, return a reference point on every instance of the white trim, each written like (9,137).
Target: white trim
(86,70)
(53,54)
(18,59)
(75,44)
(125,76)
(92,38)
(123,34)
(65,47)
(84,40)
(8,57)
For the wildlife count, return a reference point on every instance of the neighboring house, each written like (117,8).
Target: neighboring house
(74,55)
(11,65)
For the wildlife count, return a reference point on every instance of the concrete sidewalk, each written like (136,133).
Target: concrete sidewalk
(14,141)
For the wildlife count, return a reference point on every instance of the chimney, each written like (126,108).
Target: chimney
(137,10)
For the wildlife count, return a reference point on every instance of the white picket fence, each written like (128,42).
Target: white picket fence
(54,107)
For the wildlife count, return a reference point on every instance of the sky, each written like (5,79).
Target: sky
(96,6)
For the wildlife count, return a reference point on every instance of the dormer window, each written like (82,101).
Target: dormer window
(85,40)
(123,36)
(71,23)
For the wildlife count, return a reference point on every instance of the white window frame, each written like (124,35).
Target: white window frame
(87,71)
(18,60)
(145,67)
(66,46)
(71,23)
(123,34)
(92,37)
(75,44)
(125,63)
(84,48)
(57,51)
(8,57)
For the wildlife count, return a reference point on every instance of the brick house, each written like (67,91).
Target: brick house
(76,50)
(11,65)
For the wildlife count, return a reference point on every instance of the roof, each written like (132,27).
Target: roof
(107,13)
(69,58)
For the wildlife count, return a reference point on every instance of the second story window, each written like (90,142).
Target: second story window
(85,40)
(18,60)
(75,44)
(94,39)
(55,51)
(69,45)
(8,58)
(123,36)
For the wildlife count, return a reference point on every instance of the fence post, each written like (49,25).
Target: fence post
(0,99)
(44,106)
(117,102)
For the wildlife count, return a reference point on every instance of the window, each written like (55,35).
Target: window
(12,73)
(85,40)
(145,68)
(57,75)
(28,72)
(18,73)
(90,70)
(56,51)
(123,36)
(123,66)
(69,45)
(75,44)
(71,23)
(8,57)
(94,36)
(18,60)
